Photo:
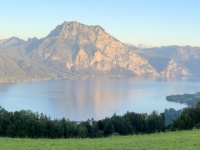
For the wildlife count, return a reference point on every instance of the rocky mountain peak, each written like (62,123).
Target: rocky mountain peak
(74,28)
(32,39)
(13,41)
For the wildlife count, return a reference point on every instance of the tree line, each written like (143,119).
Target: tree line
(26,124)
(189,119)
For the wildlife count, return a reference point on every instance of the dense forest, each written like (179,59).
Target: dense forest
(26,124)
(189,118)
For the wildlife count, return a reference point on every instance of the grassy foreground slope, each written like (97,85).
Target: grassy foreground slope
(183,140)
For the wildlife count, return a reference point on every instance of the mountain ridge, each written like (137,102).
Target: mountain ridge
(73,50)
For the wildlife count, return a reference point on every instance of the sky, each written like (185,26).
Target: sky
(152,22)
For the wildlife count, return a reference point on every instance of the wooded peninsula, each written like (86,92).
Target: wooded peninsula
(188,99)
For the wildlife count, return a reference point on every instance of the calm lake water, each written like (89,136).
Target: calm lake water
(95,98)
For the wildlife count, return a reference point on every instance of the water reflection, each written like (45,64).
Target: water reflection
(95,98)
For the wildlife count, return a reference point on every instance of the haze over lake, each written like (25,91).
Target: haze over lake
(95,98)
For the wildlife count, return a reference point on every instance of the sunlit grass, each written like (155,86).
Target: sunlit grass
(183,140)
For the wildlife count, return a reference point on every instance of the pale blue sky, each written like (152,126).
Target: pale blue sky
(153,22)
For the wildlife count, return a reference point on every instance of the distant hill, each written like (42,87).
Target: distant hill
(74,50)
(186,56)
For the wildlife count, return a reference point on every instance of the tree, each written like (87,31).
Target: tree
(94,130)
(82,131)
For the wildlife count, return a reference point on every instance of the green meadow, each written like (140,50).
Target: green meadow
(179,140)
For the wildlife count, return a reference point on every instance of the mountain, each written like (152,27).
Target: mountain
(142,46)
(186,56)
(181,53)
(74,50)
(90,51)
(13,41)
(165,66)
(9,69)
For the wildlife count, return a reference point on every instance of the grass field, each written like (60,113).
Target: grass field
(184,140)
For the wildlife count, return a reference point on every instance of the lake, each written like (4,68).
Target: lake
(97,97)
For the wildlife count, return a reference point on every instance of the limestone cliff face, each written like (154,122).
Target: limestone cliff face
(166,66)
(80,48)
(186,56)
(174,69)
